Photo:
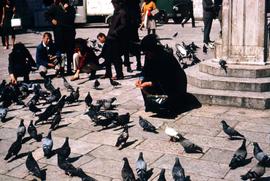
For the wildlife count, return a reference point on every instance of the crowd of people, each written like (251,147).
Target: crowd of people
(121,40)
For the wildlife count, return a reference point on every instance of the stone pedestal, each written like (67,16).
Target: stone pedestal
(243,29)
(242,46)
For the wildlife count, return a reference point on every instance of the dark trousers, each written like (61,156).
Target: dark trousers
(207,28)
(113,56)
(65,41)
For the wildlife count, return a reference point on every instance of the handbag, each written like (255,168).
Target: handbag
(154,12)
(16,22)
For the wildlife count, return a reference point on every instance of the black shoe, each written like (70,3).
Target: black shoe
(129,69)
(69,73)
(139,68)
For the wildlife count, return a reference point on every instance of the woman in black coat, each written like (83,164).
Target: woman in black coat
(162,75)
(20,63)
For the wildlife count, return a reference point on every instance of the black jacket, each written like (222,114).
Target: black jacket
(208,9)
(164,71)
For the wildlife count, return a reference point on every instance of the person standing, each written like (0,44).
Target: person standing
(62,17)
(1,15)
(116,40)
(9,11)
(208,16)
(147,7)
(134,18)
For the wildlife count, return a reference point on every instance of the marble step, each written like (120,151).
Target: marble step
(252,100)
(207,81)
(212,67)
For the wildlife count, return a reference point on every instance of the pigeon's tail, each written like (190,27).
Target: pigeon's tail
(246,176)
(8,156)
(38,138)
(234,163)
(142,174)
(239,134)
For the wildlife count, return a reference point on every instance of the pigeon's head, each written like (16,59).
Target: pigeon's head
(125,159)
(141,154)
(50,134)
(30,154)
(177,161)
(21,123)
(31,122)
(255,144)
(222,62)
(223,123)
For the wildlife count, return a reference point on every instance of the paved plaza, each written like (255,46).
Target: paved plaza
(101,159)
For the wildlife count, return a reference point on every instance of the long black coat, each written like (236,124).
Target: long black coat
(164,71)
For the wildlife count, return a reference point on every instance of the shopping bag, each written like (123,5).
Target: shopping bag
(16,22)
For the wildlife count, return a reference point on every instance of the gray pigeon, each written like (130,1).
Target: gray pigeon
(56,120)
(67,85)
(188,146)
(96,84)
(126,172)
(122,139)
(141,168)
(47,145)
(3,113)
(146,125)
(231,132)
(88,99)
(21,129)
(178,171)
(32,166)
(260,155)
(32,131)
(239,156)
(254,173)
(162,175)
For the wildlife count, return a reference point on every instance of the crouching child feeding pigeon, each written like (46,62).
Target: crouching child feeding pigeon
(163,82)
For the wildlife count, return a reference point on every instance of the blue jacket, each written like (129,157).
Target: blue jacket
(42,56)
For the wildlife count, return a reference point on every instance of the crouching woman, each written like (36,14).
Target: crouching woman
(163,82)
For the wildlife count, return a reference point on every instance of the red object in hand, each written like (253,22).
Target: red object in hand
(149,13)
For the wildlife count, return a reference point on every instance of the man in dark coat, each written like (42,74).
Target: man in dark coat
(162,75)
(208,16)
(116,40)
(62,17)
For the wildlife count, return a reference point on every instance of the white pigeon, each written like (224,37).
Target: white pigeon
(172,133)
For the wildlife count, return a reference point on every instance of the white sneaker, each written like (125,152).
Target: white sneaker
(211,45)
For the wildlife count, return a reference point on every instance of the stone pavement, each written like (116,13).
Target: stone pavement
(102,160)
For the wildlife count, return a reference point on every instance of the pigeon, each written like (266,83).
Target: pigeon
(205,49)
(122,139)
(88,99)
(67,85)
(48,84)
(114,83)
(21,129)
(32,166)
(260,155)
(172,133)
(96,84)
(32,131)
(146,125)
(127,173)
(107,103)
(188,146)
(223,65)
(231,132)
(141,168)
(76,94)
(108,114)
(56,95)
(194,46)
(195,60)
(33,108)
(14,148)
(3,113)
(49,111)
(103,122)
(65,150)
(178,171)
(56,120)
(162,175)
(122,119)
(175,35)
(239,156)
(254,173)
(47,145)
(70,99)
